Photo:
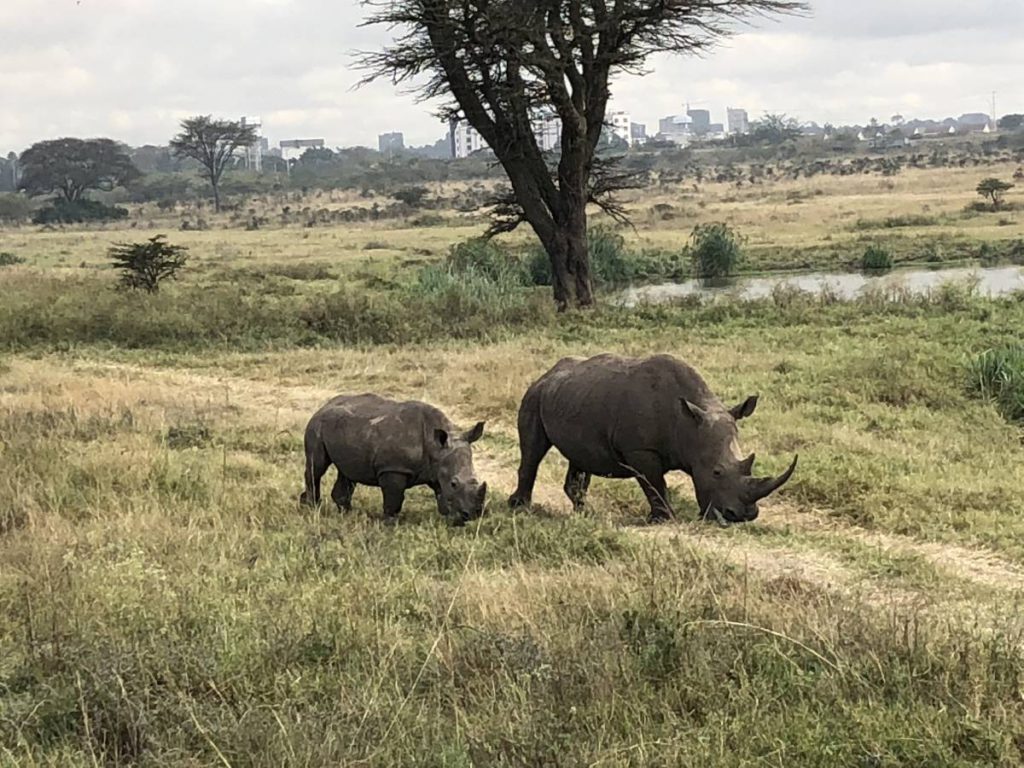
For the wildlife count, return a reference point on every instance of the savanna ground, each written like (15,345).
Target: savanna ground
(164,601)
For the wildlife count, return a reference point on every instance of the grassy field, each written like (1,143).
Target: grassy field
(164,600)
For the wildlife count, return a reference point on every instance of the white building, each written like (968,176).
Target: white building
(622,126)
(547,129)
(464,139)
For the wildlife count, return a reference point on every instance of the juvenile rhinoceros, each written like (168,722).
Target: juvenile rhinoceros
(619,417)
(393,446)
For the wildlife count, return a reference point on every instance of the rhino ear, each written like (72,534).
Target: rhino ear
(745,409)
(442,437)
(475,433)
(697,413)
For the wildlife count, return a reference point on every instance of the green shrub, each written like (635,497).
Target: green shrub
(64,212)
(143,266)
(414,197)
(485,257)
(8,259)
(998,375)
(715,250)
(876,259)
(14,208)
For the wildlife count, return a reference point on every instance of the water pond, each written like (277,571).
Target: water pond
(990,281)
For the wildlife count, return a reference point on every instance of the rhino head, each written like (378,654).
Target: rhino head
(724,482)
(460,493)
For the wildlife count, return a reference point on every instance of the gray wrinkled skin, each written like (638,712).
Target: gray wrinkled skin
(393,446)
(640,418)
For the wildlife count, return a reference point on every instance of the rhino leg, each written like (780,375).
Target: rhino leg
(317,462)
(533,447)
(342,492)
(393,485)
(651,476)
(577,482)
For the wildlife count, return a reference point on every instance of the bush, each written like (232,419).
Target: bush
(486,257)
(411,196)
(145,265)
(715,250)
(14,209)
(876,259)
(998,375)
(77,212)
(9,259)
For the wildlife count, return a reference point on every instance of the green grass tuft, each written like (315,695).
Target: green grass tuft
(998,375)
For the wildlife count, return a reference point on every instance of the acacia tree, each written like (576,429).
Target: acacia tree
(994,189)
(212,143)
(71,167)
(501,64)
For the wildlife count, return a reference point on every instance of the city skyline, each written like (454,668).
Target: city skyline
(93,69)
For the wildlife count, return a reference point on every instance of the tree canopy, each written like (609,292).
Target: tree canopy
(71,167)
(212,143)
(503,65)
(1011,122)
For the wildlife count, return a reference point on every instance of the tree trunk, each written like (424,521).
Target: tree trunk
(569,253)
(216,197)
(579,258)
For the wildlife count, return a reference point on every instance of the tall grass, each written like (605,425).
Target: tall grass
(176,609)
(998,375)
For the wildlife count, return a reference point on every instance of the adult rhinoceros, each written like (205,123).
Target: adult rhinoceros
(621,417)
(393,446)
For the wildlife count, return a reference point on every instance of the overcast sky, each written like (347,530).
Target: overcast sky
(130,69)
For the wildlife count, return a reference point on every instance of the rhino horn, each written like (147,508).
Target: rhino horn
(747,465)
(761,487)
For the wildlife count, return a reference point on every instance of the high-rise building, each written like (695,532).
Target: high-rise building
(737,121)
(390,144)
(676,128)
(464,139)
(701,120)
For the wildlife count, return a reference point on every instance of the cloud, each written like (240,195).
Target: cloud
(131,69)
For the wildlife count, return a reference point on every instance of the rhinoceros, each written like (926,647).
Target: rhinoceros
(393,446)
(640,418)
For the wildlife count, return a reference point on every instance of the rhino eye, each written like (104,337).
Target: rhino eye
(717,473)
(455,482)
